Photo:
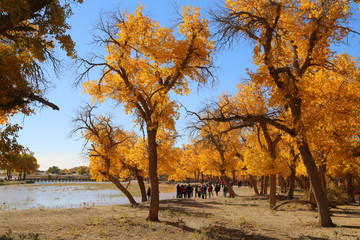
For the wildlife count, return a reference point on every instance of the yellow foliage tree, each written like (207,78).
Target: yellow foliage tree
(112,153)
(26,163)
(216,137)
(145,62)
(293,54)
(10,149)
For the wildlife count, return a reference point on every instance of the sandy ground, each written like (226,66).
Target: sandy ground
(244,217)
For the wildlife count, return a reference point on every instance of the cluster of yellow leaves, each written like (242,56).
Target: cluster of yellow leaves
(303,32)
(29,30)
(26,163)
(214,152)
(120,153)
(113,151)
(145,62)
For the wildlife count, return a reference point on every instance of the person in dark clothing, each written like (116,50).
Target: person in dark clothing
(148,193)
(204,191)
(217,189)
(189,191)
(184,191)
(178,191)
(225,190)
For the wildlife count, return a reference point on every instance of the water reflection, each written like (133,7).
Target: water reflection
(67,195)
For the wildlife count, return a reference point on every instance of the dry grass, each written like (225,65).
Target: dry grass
(245,217)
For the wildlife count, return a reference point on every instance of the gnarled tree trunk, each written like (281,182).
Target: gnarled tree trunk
(315,182)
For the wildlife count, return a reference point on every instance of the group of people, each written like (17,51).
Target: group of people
(200,190)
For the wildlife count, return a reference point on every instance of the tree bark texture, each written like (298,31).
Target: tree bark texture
(282,183)
(272,190)
(154,181)
(350,188)
(266,184)
(254,184)
(226,181)
(315,182)
(306,182)
(140,180)
(117,183)
(292,182)
(262,189)
(322,173)
(300,182)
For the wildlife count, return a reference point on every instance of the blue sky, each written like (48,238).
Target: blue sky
(46,132)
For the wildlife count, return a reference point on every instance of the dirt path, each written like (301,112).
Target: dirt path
(245,217)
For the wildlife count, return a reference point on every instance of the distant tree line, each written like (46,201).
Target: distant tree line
(81,170)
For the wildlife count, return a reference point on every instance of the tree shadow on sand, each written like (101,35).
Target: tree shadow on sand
(186,207)
(309,238)
(219,232)
(224,233)
(349,213)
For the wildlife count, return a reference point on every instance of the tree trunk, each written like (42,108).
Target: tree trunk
(140,180)
(272,197)
(154,181)
(117,183)
(322,172)
(282,183)
(350,188)
(24,176)
(300,182)
(292,182)
(311,195)
(262,179)
(202,177)
(266,184)
(8,174)
(226,181)
(234,177)
(321,201)
(254,184)
(306,182)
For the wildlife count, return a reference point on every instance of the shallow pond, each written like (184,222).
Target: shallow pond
(69,195)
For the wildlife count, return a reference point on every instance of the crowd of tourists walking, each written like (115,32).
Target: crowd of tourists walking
(201,190)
